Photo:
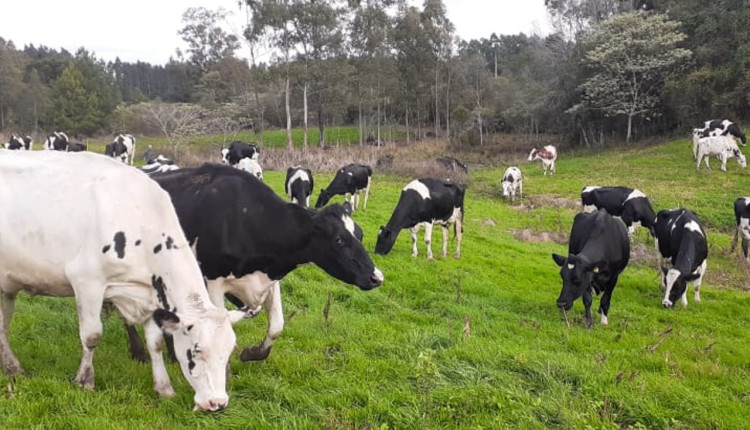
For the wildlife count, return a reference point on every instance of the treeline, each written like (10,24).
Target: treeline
(610,70)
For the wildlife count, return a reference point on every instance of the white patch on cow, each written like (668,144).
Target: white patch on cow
(571,266)
(693,226)
(252,288)
(605,321)
(348,223)
(744,228)
(299,174)
(671,277)
(378,275)
(589,208)
(419,187)
(251,166)
(590,188)
(635,194)
(224,154)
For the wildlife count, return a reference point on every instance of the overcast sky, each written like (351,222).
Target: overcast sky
(146,30)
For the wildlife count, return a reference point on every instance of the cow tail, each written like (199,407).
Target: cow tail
(460,193)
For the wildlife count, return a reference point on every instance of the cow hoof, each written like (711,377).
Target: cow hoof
(165,392)
(666,303)
(254,353)
(13,368)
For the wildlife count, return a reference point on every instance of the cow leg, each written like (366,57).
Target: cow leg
(367,191)
(154,343)
(744,248)
(413,231)
(698,282)
(520,188)
(734,239)
(445,239)
(89,299)
(552,168)
(428,239)
(137,350)
(272,304)
(723,163)
(458,227)
(587,300)
(606,297)
(11,365)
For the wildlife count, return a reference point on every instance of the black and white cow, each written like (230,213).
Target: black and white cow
(350,180)
(56,141)
(141,263)
(742,218)
(512,183)
(722,127)
(299,185)
(452,164)
(122,148)
(246,239)
(681,239)
(424,202)
(598,252)
(724,147)
(251,166)
(547,155)
(19,143)
(629,204)
(159,164)
(237,151)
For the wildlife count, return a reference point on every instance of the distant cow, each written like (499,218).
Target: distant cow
(122,148)
(725,147)
(452,164)
(252,166)
(350,180)
(159,164)
(742,218)
(629,204)
(121,242)
(237,151)
(682,240)
(598,251)
(77,147)
(19,143)
(299,185)
(548,156)
(424,202)
(56,141)
(722,127)
(512,182)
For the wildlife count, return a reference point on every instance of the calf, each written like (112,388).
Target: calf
(77,147)
(724,147)
(629,204)
(350,180)
(682,240)
(56,141)
(722,127)
(547,155)
(159,164)
(237,151)
(452,164)
(252,166)
(512,182)
(141,263)
(122,147)
(598,251)
(424,202)
(299,185)
(742,218)
(19,143)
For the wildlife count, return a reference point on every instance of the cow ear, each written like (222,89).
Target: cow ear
(168,321)
(559,259)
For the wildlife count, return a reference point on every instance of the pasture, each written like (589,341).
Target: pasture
(469,343)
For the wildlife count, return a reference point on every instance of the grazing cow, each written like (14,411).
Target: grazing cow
(547,155)
(681,238)
(512,182)
(141,263)
(19,143)
(350,180)
(452,164)
(424,202)
(722,127)
(384,162)
(724,147)
(122,147)
(57,141)
(77,147)
(598,251)
(742,218)
(246,239)
(252,166)
(299,185)
(237,151)
(627,203)
(159,164)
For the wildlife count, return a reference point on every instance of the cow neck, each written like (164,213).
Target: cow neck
(405,215)
(179,287)
(296,247)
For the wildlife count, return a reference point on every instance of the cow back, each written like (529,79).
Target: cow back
(600,237)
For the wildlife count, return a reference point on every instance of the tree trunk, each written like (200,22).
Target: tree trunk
(437,99)
(630,127)
(288,116)
(304,117)
(407,126)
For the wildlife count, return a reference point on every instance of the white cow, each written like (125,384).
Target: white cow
(512,182)
(252,166)
(122,244)
(725,147)
(548,156)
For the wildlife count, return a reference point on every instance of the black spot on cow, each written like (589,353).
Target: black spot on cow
(105,249)
(138,242)
(161,290)
(157,248)
(120,244)
(170,242)
(191,363)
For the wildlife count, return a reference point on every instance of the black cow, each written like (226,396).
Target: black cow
(19,143)
(742,218)
(598,251)
(682,240)
(237,151)
(629,204)
(452,164)
(350,180)
(57,141)
(77,147)
(721,127)
(299,185)
(246,239)
(424,202)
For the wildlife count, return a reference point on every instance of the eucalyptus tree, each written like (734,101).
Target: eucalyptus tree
(207,41)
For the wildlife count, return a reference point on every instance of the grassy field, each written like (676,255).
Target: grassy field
(470,343)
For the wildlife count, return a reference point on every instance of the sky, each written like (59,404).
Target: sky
(146,30)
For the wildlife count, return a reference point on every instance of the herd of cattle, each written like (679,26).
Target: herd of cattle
(194,237)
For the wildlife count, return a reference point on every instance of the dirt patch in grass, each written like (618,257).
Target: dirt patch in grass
(529,235)
(539,201)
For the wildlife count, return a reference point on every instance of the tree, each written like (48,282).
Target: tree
(632,55)
(207,42)
(176,121)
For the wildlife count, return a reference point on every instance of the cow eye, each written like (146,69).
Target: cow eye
(338,240)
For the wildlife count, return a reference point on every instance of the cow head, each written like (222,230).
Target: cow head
(577,274)
(339,252)
(323,198)
(508,184)
(225,155)
(532,154)
(740,157)
(202,347)
(674,284)
(386,240)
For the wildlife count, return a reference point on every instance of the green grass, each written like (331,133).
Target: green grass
(398,358)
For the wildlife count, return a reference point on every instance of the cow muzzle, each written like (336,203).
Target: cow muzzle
(212,405)
(563,305)
(376,278)
(667,303)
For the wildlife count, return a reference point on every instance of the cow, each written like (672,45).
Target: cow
(141,263)
(252,166)
(20,143)
(122,148)
(237,151)
(452,164)
(548,156)
(424,202)
(681,239)
(56,141)
(628,204)
(159,164)
(722,127)
(77,147)
(299,185)
(512,182)
(742,219)
(725,147)
(246,239)
(598,252)
(350,180)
